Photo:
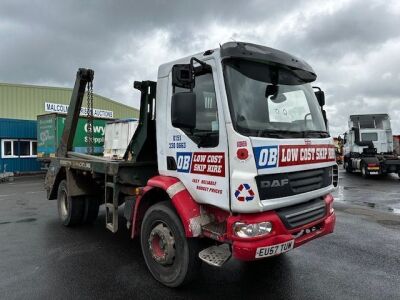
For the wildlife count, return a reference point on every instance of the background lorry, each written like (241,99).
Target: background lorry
(50,128)
(235,161)
(368,146)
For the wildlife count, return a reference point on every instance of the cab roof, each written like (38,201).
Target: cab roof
(253,52)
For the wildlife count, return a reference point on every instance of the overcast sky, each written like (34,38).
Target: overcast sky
(354,45)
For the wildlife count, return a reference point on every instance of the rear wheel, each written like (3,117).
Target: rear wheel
(91,210)
(364,170)
(347,166)
(70,209)
(171,257)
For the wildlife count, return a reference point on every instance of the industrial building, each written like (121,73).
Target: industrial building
(19,107)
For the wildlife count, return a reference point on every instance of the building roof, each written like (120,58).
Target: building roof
(23,101)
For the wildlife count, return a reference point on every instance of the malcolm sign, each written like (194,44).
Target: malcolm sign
(63,109)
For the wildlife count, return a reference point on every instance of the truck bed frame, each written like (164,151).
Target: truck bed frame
(111,181)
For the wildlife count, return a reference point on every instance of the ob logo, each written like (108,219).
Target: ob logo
(183,161)
(266,157)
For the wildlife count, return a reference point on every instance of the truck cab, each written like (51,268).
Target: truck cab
(368,145)
(257,141)
(379,139)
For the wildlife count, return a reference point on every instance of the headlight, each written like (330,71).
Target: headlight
(251,230)
(329,202)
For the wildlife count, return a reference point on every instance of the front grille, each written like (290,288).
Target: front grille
(301,214)
(306,181)
(335,176)
(279,185)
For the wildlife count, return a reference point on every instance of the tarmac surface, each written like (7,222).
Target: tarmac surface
(41,259)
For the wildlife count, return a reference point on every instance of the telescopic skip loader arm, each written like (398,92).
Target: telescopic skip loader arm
(83,76)
(140,159)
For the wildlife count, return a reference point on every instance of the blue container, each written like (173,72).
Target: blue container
(18,146)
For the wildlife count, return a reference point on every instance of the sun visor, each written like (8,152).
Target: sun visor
(251,52)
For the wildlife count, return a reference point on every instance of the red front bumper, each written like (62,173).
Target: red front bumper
(245,249)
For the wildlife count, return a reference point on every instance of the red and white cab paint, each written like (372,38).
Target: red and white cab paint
(204,186)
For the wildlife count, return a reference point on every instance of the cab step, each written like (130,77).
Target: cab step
(215,231)
(215,255)
(111,190)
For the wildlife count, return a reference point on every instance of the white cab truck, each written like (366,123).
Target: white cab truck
(368,146)
(231,157)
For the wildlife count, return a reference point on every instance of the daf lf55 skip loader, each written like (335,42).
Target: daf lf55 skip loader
(231,157)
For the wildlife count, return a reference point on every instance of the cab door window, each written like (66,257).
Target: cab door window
(206,132)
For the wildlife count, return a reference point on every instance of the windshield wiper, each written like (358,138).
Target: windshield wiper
(292,134)
(319,133)
(278,133)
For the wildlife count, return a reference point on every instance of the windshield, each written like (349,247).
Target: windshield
(271,102)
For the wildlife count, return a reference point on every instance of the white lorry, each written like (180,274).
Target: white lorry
(231,148)
(368,146)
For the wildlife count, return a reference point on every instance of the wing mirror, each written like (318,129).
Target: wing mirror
(183,110)
(320,96)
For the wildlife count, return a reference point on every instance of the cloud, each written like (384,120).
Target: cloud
(353,45)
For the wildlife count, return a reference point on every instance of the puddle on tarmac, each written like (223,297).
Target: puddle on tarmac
(389,222)
(348,187)
(387,202)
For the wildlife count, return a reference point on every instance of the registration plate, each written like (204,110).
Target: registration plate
(274,250)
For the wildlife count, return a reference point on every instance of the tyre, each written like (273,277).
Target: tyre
(91,210)
(171,257)
(70,209)
(347,167)
(364,171)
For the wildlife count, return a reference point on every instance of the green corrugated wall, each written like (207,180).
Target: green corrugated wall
(26,102)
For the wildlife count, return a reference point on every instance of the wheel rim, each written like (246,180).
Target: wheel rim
(161,244)
(64,205)
(363,171)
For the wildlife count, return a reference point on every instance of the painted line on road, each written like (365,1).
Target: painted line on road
(24,184)
(15,194)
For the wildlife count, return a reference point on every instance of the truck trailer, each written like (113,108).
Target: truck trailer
(368,146)
(231,157)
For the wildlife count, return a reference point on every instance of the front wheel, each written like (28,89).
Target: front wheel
(171,257)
